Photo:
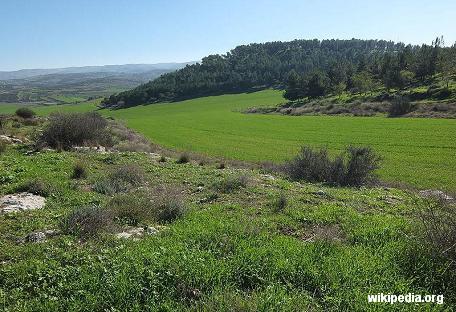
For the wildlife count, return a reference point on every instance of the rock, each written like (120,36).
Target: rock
(268,177)
(136,232)
(320,193)
(10,139)
(21,202)
(39,236)
(36,237)
(199,189)
(99,149)
(435,193)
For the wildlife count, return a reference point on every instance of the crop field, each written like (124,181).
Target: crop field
(420,152)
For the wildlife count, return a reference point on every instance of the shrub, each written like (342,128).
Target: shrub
(86,222)
(221,166)
(354,167)
(119,180)
(2,147)
(362,162)
(162,159)
(280,203)
(168,204)
(131,209)
(309,165)
(79,171)
(183,158)
(438,224)
(35,186)
(67,130)
(232,183)
(25,112)
(130,173)
(400,105)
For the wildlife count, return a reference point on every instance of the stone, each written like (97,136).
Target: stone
(21,202)
(435,193)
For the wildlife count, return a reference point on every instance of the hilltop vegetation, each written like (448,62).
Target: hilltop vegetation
(307,68)
(192,236)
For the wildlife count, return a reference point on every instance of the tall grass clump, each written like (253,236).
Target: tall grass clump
(79,171)
(67,130)
(232,183)
(355,166)
(132,208)
(183,158)
(2,147)
(35,186)
(168,203)
(121,179)
(438,224)
(86,222)
(25,112)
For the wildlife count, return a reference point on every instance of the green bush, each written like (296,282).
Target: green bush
(183,158)
(168,204)
(79,171)
(354,167)
(121,179)
(232,183)
(2,147)
(400,105)
(67,130)
(86,222)
(25,112)
(280,203)
(131,209)
(35,186)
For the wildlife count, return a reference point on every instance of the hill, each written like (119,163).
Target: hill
(73,84)
(304,67)
(196,236)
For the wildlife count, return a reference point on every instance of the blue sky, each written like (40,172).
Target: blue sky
(60,33)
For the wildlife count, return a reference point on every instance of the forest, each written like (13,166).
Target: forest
(304,68)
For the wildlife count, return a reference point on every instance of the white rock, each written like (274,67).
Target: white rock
(21,202)
(435,193)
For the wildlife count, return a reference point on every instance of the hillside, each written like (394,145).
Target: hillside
(76,84)
(304,67)
(126,230)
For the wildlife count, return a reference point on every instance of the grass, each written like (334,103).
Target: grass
(416,151)
(326,250)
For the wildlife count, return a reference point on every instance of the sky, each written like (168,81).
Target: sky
(62,33)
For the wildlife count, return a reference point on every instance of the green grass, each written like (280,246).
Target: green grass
(419,152)
(235,254)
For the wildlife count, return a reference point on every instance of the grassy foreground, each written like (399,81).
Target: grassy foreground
(420,152)
(325,251)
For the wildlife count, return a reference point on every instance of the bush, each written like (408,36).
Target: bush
(79,171)
(67,130)
(400,105)
(130,173)
(25,112)
(119,180)
(162,159)
(280,203)
(354,167)
(36,187)
(2,147)
(438,224)
(131,209)
(86,222)
(232,183)
(183,158)
(168,204)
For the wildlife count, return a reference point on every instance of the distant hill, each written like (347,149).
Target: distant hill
(75,84)
(315,67)
(128,68)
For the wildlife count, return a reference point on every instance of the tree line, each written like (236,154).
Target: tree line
(305,68)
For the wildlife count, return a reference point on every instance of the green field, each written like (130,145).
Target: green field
(420,152)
